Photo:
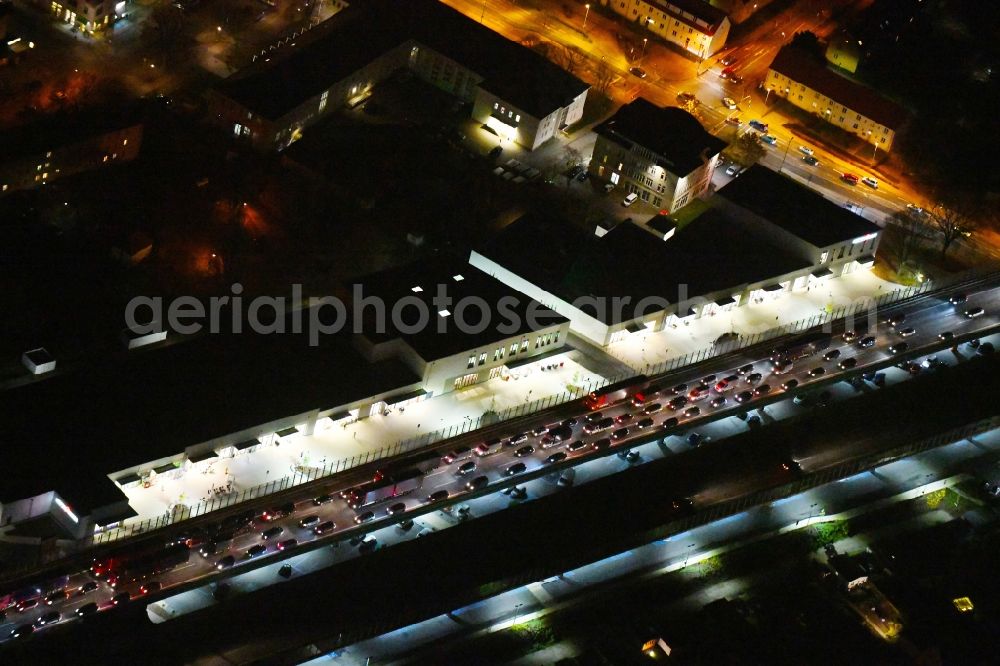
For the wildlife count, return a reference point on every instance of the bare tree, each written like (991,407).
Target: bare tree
(951,224)
(603,76)
(912,232)
(747,150)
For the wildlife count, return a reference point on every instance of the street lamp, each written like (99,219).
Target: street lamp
(644,41)
(766,96)
(517,608)
(586,16)
(785,155)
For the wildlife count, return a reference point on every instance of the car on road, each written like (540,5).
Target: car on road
(958,299)
(87,609)
(602,444)
(806,150)
(256,550)
(717,402)
(578,445)
(847,363)
(850,336)
(831,355)
(733,77)
(271,532)
(753,377)
(460,453)
(757,125)
(362,518)
(685,97)
(972,313)
(699,393)
(745,369)
(678,402)
(644,423)
(322,499)
(466,468)
(516,468)
(898,348)
(438,496)
(225,562)
(728,60)
(22,630)
(121,598)
(48,618)
(789,385)
(150,586)
(556,457)
(726,383)
(735,122)
(946,336)
(27,604)
(629,199)
(769,139)
(906,332)
(761,390)
(791,466)
(54,596)
(680,389)
(849,178)
(744,396)
(729,102)
(524,451)
(810,160)
(896,319)
(87,588)
(477,483)
(624,418)
(396,509)
(732,170)
(325,526)
(309,521)
(866,342)
(619,434)
(637,72)
(652,409)
(287,543)
(870,182)
(817,372)
(669,423)
(692,412)
(278,512)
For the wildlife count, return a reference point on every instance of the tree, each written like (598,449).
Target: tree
(567,57)
(809,43)
(952,223)
(164,29)
(603,76)
(912,233)
(747,150)
(570,158)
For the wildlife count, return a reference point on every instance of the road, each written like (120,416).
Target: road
(612,42)
(933,316)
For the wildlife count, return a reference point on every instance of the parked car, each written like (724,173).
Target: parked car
(630,199)
(769,139)
(729,102)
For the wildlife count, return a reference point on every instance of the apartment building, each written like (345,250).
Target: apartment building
(522,96)
(662,154)
(809,84)
(693,25)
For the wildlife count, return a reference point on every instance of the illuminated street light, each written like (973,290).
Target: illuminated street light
(645,40)
(586,16)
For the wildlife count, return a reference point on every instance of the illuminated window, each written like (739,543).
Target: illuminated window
(472,361)
(417,289)
(124,142)
(517,117)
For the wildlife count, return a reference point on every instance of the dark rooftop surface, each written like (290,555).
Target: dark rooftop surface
(68,128)
(795,207)
(802,68)
(442,337)
(366,30)
(697,8)
(68,432)
(670,132)
(708,255)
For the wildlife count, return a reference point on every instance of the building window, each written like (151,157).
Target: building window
(524,345)
(482,358)
(472,361)
(513,348)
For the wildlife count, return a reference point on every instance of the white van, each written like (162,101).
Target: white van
(630,199)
